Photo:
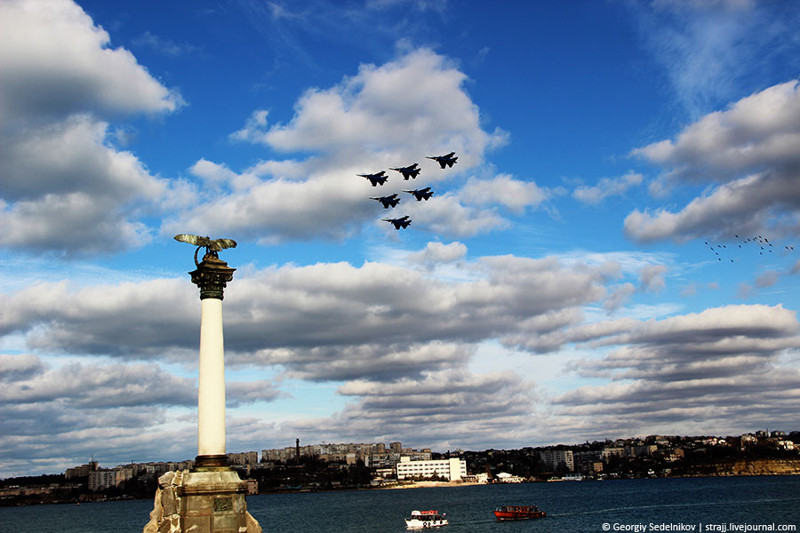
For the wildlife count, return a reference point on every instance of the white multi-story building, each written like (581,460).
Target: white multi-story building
(451,469)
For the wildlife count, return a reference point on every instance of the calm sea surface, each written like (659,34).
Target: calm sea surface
(690,504)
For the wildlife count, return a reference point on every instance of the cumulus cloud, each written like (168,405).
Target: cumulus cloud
(447,215)
(466,403)
(129,408)
(619,296)
(652,278)
(79,405)
(357,326)
(102,386)
(504,190)
(64,187)
(395,340)
(750,151)
(437,252)
(607,187)
(56,62)
(761,130)
(311,319)
(415,102)
(719,365)
(384,116)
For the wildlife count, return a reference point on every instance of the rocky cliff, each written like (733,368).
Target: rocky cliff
(740,467)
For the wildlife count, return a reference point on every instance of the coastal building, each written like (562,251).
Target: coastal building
(375,455)
(505,477)
(450,469)
(103,479)
(243,458)
(555,457)
(81,471)
(612,451)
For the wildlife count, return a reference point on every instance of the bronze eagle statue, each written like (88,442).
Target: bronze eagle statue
(212,246)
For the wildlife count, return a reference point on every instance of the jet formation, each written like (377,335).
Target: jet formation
(408,172)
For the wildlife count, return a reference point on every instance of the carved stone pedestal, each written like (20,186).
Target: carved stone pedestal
(201,501)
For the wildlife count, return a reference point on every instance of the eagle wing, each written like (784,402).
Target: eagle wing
(212,244)
(225,243)
(196,240)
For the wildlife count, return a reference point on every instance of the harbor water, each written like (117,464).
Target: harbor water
(638,505)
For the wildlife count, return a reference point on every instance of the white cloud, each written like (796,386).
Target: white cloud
(607,187)
(319,313)
(761,130)
(382,117)
(63,186)
(414,103)
(437,252)
(717,368)
(65,189)
(652,278)
(504,190)
(56,62)
(73,156)
(619,296)
(752,149)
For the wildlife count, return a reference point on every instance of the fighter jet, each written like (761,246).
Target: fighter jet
(377,178)
(402,222)
(387,201)
(421,194)
(444,160)
(410,171)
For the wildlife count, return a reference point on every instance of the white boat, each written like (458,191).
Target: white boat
(425,520)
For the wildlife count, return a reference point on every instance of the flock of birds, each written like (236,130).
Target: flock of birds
(758,243)
(409,172)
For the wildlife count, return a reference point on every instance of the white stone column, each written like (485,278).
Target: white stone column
(211,389)
(211,276)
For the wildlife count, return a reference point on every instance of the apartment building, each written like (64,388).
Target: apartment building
(103,479)
(450,469)
(552,458)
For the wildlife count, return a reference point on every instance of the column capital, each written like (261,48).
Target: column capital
(211,276)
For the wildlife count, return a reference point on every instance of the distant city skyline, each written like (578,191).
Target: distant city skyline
(288,453)
(616,250)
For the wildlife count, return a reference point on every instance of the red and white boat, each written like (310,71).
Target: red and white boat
(518,512)
(426,520)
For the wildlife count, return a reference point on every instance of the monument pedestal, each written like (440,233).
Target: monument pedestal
(214,501)
(204,500)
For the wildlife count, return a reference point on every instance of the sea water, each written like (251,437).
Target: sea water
(638,505)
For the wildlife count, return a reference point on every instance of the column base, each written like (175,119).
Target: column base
(210,461)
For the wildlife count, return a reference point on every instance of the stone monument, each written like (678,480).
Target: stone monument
(210,498)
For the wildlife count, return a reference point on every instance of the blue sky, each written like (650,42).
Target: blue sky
(616,252)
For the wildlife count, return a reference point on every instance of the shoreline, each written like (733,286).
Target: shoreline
(430,484)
